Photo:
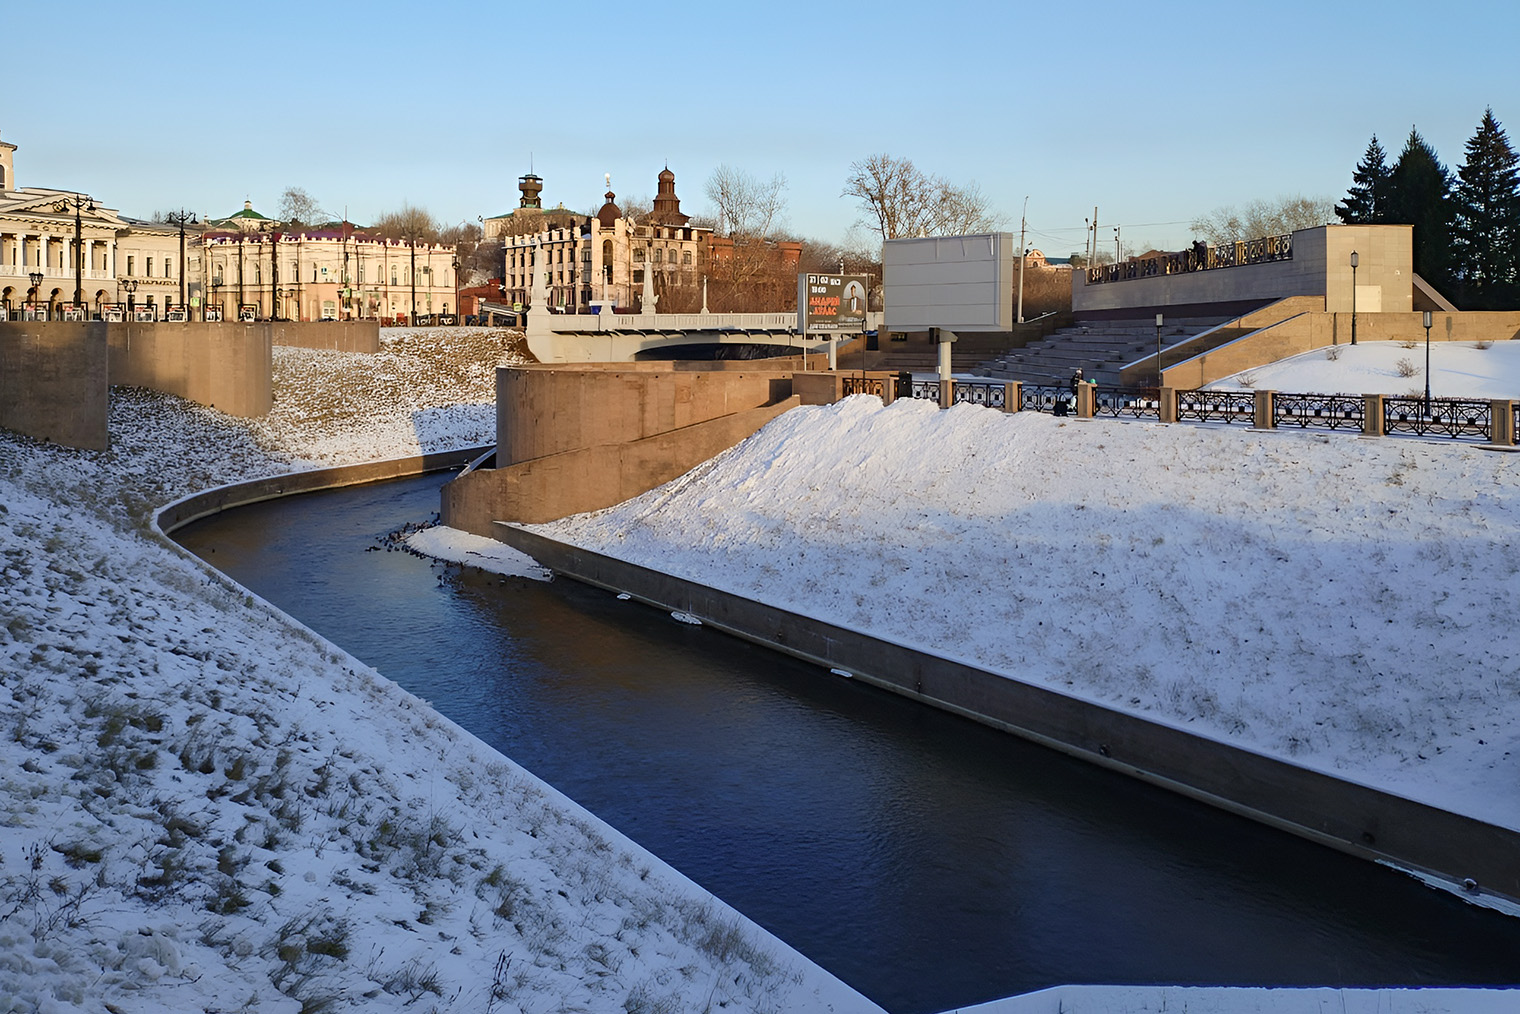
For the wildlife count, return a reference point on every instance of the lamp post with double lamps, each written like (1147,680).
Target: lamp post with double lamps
(130,284)
(36,277)
(79,202)
(180,218)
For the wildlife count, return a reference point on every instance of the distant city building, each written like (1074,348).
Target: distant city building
(603,258)
(37,237)
(336,271)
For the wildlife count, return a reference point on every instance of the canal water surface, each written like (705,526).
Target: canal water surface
(926,860)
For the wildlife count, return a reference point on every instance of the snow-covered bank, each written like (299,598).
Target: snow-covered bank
(203,806)
(1343,603)
(1457,370)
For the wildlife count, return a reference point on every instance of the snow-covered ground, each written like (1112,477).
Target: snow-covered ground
(1457,370)
(1344,603)
(205,807)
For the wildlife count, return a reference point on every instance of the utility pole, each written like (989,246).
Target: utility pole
(1117,257)
(179,218)
(1023,256)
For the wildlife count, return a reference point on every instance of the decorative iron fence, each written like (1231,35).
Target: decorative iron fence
(1139,402)
(1231,255)
(1044,398)
(1452,417)
(926,389)
(1216,406)
(865,385)
(1329,411)
(991,394)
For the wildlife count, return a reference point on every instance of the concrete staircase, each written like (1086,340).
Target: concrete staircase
(1100,348)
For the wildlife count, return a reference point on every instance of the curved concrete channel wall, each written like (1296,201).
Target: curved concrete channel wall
(1363,821)
(212,501)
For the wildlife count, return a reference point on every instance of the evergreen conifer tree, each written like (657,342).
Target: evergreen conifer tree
(1366,202)
(1420,195)
(1486,232)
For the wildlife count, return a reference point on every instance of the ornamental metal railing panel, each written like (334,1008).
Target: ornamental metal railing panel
(1134,402)
(926,389)
(865,385)
(992,395)
(1230,255)
(1045,398)
(1452,417)
(1216,406)
(1325,411)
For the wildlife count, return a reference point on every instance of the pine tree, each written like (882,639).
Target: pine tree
(1419,194)
(1486,233)
(1366,202)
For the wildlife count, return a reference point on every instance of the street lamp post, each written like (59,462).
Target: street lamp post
(413,320)
(271,228)
(180,218)
(36,277)
(1158,352)
(79,202)
(1353,296)
(1426,321)
(130,284)
(457,314)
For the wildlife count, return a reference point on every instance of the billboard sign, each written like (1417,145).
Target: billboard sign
(113,313)
(214,312)
(831,303)
(247,313)
(74,311)
(145,313)
(964,283)
(177,312)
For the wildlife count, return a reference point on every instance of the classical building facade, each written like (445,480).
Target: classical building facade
(256,266)
(603,259)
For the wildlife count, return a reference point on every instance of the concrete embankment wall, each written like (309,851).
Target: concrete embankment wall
(579,438)
(54,382)
(328,335)
(544,410)
(212,501)
(1350,817)
(228,367)
(1308,331)
(591,478)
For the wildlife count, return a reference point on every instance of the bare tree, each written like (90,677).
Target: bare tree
(298,208)
(1264,218)
(408,223)
(747,206)
(901,200)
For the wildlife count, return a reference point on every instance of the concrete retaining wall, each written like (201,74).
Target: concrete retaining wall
(1308,331)
(228,367)
(1353,818)
(590,478)
(54,382)
(544,410)
(212,501)
(329,335)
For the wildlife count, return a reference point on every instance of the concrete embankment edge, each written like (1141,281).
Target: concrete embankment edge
(236,494)
(1444,847)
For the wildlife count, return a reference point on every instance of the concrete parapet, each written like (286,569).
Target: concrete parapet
(1372,415)
(1262,417)
(54,382)
(591,478)
(226,366)
(543,410)
(328,335)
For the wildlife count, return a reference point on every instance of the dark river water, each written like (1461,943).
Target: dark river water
(926,860)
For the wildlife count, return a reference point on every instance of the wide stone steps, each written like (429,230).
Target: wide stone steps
(1099,348)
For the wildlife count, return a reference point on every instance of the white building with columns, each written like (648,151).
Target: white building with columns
(53,242)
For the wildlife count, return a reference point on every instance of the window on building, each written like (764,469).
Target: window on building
(686,257)
(131,265)
(147,264)
(168,267)
(638,278)
(638,255)
(393,275)
(659,256)
(606,251)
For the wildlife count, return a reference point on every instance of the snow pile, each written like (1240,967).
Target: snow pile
(204,806)
(1457,370)
(1344,603)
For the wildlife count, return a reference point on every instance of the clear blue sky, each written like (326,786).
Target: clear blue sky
(1155,112)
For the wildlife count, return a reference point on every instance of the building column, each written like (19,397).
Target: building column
(42,252)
